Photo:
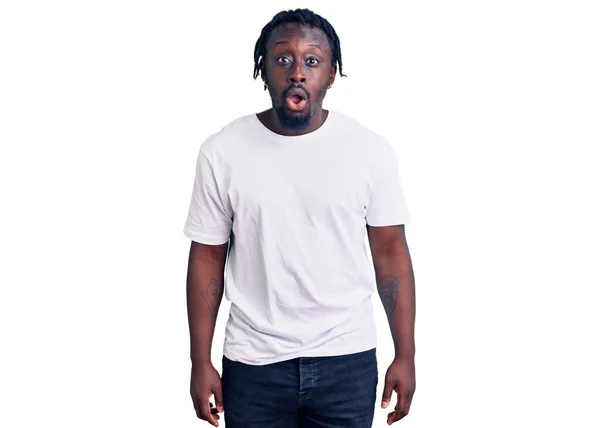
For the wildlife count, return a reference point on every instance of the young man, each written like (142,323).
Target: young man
(285,196)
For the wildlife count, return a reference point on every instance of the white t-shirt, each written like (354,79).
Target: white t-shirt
(298,274)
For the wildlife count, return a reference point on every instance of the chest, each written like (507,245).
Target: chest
(317,184)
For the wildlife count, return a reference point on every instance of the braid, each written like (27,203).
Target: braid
(301,16)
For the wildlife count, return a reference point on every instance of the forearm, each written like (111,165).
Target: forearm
(204,291)
(396,288)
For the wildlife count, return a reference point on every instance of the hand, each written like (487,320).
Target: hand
(205,381)
(400,377)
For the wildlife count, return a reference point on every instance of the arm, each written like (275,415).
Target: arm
(205,277)
(396,288)
(395,284)
(204,293)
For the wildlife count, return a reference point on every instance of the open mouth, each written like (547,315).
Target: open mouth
(296,100)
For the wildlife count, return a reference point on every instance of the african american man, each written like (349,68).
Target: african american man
(285,196)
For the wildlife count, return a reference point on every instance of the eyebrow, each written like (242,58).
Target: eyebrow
(285,42)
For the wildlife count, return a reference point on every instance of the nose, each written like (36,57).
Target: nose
(297,75)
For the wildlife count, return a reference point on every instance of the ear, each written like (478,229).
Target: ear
(332,73)
(261,67)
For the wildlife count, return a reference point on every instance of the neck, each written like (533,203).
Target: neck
(271,121)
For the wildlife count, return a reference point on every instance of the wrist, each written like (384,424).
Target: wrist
(405,356)
(201,361)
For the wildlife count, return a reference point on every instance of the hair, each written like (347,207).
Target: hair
(300,16)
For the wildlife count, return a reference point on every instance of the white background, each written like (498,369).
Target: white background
(493,108)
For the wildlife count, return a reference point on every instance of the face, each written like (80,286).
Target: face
(297,70)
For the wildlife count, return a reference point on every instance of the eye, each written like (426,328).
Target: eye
(284,58)
(316,61)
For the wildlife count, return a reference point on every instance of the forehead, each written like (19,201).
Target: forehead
(295,33)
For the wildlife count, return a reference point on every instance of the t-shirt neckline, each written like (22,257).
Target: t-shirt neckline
(266,132)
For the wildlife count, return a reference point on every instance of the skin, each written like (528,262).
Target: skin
(300,56)
(396,288)
(204,291)
(296,56)
(289,62)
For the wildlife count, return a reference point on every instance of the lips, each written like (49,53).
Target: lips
(296,99)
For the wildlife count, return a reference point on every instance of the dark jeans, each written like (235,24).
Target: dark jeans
(305,392)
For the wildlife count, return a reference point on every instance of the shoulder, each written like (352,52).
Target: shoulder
(223,139)
(369,140)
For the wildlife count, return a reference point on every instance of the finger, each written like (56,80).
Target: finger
(198,409)
(391,415)
(387,394)
(398,412)
(218,392)
(206,413)
(406,404)
(404,400)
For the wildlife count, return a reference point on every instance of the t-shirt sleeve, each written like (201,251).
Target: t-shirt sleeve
(387,205)
(208,221)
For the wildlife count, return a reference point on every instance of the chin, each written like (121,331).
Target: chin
(296,121)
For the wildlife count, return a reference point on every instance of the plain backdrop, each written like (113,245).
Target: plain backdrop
(492,106)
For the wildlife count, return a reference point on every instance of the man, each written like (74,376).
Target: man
(285,196)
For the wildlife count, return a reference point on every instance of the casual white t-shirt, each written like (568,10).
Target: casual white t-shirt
(298,274)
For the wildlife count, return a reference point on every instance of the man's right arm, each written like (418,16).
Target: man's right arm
(205,278)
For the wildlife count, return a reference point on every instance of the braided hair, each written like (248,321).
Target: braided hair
(300,16)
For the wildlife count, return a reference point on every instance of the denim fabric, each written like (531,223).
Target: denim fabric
(305,392)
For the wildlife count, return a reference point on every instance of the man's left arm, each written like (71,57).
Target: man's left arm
(396,288)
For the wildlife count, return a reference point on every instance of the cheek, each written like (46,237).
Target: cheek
(322,92)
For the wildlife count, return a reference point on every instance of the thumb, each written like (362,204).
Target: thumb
(218,391)
(387,395)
